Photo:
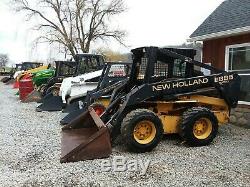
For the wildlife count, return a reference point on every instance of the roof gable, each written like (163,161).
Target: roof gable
(231,14)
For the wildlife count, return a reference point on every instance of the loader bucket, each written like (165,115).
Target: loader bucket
(34,96)
(71,107)
(50,103)
(85,138)
(2,79)
(46,97)
(5,79)
(71,116)
(11,81)
(76,113)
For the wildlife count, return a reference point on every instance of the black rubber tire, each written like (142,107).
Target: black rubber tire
(44,91)
(99,105)
(41,89)
(188,120)
(50,90)
(129,123)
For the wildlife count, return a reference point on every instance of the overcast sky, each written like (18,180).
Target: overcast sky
(157,22)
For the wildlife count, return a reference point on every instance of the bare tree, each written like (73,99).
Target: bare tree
(4,59)
(75,24)
(111,55)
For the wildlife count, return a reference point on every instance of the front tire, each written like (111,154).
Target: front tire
(54,90)
(198,126)
(142,130)
(41,89)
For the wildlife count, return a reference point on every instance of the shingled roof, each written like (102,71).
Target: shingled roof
(230,17)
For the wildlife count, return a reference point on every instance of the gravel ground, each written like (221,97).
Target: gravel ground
(30,153)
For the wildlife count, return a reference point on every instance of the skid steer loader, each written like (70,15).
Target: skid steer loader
(74,87)
(47,81)
(9,79)
(63,70)
(16,69)
(32,67)
(88,69)
(113,75)
(28,67)
(166,93)
(19,68)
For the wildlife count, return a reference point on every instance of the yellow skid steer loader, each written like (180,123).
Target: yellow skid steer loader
(166,93)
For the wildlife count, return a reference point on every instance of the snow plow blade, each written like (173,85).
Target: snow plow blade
(50,103)
(85,138)
(34,96)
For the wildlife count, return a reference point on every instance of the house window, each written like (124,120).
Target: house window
(238,60)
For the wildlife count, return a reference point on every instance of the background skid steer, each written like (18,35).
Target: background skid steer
(63,69)
(10,78)
(166,93)
(46,79)
(86,64)
(113,75)
(39,79)
(19,68)
(49,91)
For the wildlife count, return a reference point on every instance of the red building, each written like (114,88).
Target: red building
(226,41)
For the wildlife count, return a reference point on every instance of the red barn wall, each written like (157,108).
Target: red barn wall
(214,50)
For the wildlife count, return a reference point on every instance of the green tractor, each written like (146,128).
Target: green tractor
(41,77)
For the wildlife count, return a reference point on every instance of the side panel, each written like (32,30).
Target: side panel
(170,112)
(226,83)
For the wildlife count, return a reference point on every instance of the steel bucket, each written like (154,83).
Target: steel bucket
(86,137)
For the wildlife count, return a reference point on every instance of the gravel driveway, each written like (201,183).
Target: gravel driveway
(30,153)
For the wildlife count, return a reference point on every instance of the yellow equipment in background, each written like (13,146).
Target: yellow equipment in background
(29,72)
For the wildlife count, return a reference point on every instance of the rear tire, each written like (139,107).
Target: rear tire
(142,130)
(198,126)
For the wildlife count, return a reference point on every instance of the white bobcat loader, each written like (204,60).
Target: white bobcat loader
(88,71)
(75,87)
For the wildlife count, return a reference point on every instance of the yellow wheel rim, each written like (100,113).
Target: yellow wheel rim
(202,128)
(144,132)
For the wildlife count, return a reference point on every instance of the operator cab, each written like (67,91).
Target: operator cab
(164,67)
(65,68)
(88,63)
